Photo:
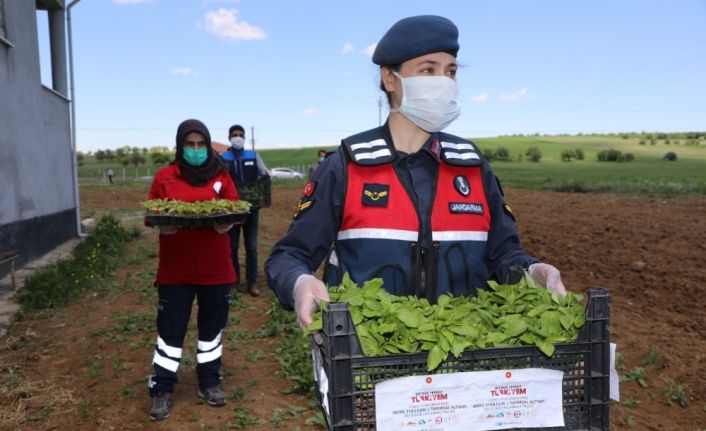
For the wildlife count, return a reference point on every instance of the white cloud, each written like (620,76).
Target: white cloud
(347,48)
(131,1)
(370,49)
(224,23)
(482,97)
(311,112)
(513,97)
(184,71)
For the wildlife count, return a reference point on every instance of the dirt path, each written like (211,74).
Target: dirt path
(84,367)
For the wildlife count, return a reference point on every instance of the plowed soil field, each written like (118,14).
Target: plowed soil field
(78,369)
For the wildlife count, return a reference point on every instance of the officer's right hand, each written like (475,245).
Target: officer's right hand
(308,292)
(167,229)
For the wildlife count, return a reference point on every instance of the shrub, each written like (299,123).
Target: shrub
(609,155)
(502,154)
(627,157)
(567,155)
(534,154)
(670,156)
(92,260)
(579,154)
(489,155)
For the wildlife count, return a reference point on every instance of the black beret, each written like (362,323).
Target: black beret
(416,36)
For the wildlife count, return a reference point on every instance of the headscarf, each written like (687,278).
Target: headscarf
(197,175)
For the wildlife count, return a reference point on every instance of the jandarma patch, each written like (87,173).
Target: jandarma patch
(303,206)
(465,208)
(376,195)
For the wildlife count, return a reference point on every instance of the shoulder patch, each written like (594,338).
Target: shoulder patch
(458,151)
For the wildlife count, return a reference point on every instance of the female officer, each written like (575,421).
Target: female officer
(192,263)
(405,202)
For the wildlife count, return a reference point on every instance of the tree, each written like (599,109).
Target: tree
(100,156)
(534,154)
(567,155)
(579,154)
(136,158)
(670,156)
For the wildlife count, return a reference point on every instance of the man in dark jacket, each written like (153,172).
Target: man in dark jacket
(245,167)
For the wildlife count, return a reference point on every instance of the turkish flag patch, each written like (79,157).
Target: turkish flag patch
(309,188)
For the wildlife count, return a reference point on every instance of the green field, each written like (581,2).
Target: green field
(647,174)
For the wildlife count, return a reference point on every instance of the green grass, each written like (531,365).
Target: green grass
(648,174)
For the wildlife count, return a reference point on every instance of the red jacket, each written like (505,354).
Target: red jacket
(193,256)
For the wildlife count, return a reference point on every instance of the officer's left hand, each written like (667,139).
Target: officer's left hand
(547,276)
(222,227)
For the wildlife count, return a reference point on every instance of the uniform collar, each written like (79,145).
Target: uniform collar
(432,146)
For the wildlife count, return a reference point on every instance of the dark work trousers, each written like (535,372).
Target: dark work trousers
(250,242)
(173,314)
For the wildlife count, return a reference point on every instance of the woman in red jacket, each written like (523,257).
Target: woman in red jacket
(193,263)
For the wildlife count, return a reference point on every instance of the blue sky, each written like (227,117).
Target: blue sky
(300,72)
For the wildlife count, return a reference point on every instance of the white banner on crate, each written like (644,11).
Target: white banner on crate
(471,401)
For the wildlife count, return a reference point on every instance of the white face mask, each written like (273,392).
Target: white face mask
(430,102)
(237,142)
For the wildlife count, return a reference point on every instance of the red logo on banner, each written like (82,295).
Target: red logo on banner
(508,375)
(428,379)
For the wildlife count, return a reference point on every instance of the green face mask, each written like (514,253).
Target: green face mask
(195,157)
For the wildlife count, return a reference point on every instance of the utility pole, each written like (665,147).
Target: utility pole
(379,111)
(252,137)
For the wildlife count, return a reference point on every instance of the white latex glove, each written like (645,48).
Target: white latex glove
(222,228)
(168,230)
(308,291)
(547,276)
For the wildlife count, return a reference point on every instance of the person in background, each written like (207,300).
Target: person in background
(245,166)
(110,175)
(193,263)
(405,202)
(320,156)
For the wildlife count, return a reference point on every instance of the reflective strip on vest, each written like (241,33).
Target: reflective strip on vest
(459,236)
(205,346)
(172,352)
(164,362)
(375,233)
(214,354)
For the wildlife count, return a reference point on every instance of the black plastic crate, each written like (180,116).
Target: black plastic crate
(352,376)
(258,193)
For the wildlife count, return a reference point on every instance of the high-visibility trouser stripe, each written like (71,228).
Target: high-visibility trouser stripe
(205,346)
(172,352)
(374,233)
(164,362)
(459,235)
(214,354)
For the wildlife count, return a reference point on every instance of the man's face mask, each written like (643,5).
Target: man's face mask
(430,102)
(195,156)
(237,142)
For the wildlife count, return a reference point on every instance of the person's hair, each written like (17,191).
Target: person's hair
(235,127)
(321,152)
(394,68)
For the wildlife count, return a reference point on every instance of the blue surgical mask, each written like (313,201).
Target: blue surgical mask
(321,159)
(195,156)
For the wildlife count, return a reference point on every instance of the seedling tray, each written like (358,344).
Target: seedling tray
(152,219)
(351,377)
